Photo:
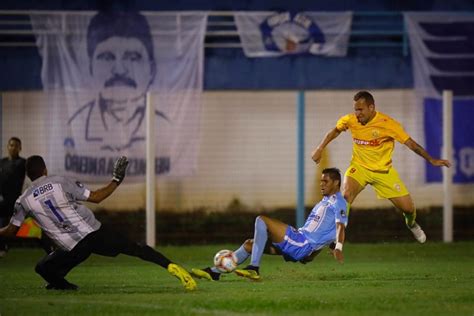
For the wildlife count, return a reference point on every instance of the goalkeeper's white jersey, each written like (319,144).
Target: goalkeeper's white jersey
(53,201)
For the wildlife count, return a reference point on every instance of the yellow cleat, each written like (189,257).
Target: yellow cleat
(202,274)
(249,274)
(183,275)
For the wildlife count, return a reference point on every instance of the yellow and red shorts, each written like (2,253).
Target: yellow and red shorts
(387,185)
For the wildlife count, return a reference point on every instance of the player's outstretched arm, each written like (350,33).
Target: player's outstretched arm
(416,148)
(318,152)
(341,235)
(120,167)
(101,194)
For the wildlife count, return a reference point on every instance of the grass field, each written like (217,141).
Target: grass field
(376,279)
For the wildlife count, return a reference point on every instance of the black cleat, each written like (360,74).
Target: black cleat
(206,273)
(62,287)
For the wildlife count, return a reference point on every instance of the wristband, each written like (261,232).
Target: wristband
(338,246)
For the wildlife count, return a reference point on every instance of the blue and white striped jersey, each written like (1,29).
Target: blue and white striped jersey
(53,201)
(320,226)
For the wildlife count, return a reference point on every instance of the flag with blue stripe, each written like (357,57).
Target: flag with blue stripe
(442,48)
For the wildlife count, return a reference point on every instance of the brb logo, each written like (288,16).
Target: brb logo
(291,33)
(42,189)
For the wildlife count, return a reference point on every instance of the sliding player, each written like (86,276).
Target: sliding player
(324,226)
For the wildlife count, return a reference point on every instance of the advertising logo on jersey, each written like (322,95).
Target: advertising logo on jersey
(292,33)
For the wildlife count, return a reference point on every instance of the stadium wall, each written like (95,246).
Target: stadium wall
(248,150)
(229,69)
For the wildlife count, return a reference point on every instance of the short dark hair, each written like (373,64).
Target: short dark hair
(334,174)
(364,95)
(35,167)
(107,24)
(16,139)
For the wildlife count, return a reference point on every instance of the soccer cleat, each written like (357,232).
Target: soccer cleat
(65,286)
(205,273)
(418,233)
(183,275)
(248,273)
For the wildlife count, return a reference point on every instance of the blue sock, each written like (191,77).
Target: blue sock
(259,240)
(241,254)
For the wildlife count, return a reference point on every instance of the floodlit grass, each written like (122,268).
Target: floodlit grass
(376,279)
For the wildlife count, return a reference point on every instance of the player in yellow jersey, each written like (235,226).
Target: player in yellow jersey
(374,135)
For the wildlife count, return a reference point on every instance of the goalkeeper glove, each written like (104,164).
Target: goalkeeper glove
(120,167)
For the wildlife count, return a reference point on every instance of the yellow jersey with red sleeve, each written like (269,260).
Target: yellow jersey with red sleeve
(373,143)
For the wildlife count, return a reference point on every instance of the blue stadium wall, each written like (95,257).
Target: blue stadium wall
(229,69)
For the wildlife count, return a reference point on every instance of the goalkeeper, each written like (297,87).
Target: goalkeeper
(324,226)
(53,202)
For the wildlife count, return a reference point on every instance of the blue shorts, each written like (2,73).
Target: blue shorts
(295,247)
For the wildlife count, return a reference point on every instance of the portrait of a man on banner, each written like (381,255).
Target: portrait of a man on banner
(122,65)
(99,70)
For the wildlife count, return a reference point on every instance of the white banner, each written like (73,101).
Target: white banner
(267,34)
(97,71)
(442,51)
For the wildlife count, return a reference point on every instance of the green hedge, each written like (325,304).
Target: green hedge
(236,223)
(234,226)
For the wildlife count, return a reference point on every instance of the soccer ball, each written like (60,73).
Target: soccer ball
(225,261)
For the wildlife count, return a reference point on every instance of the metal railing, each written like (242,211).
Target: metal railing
(369,29)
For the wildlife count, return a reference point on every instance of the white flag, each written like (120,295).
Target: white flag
(266,34)
(97,71)
(442,50)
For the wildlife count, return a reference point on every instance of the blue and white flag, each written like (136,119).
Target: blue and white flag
(267,34)
(99,67)
(443,59)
